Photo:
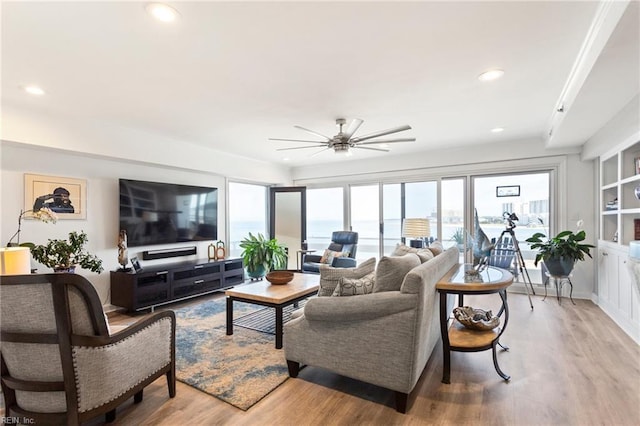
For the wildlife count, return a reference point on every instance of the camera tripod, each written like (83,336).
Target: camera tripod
(520,266)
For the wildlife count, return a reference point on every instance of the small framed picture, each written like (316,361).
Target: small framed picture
(136,264)
(67,197)
(508,191)
(636,163)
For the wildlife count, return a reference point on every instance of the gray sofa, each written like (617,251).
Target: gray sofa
(384,338)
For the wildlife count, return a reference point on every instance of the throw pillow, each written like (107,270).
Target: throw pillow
(328,255)
(436,248)
(402,249)
(330,276)
(355,286)
(391,271)
(425,255)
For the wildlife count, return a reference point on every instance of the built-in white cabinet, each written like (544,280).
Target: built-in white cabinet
(619,205)
(616,293)
(619,218)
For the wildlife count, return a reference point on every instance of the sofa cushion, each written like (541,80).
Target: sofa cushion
(425,255)
(391,271)
(355,286)
(329,276)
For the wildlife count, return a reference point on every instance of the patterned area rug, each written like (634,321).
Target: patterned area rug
(240,369)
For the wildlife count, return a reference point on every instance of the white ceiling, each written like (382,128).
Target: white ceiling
(230,75)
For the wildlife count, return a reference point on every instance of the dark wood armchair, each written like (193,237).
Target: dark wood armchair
(59,363)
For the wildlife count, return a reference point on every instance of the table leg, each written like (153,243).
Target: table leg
(495,363)
(279,327)
(229,316)
(444,331)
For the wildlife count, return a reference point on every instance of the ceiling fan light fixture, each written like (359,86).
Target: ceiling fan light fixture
(162,12)
(491,75)
(33,90)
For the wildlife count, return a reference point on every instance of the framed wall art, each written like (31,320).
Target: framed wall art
(67,197)
(508,191)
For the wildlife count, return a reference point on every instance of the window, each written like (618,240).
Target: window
(325,209)
(454,231)
(365,219)
(247,213)
(531,206)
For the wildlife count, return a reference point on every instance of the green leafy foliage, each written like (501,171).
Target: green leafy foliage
(67,253)
(258,251)
(566,244)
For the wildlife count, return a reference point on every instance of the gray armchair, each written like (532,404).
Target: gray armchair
(341,241)
(60,365)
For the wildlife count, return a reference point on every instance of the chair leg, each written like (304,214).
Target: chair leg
(171,383)
(401,402)
(110,416)
(294,368)
(137,398)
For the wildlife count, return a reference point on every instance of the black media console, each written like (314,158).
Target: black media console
(162,284)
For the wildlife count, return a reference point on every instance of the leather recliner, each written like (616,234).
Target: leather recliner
(341,241)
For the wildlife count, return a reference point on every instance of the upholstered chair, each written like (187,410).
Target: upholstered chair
(60,365)
(344,242)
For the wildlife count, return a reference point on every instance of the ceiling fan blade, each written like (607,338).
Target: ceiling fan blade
(294,140)
(369,148)
(301,147)
(387,141)
(313,133)
(316,153)
(353,127)
(382,133)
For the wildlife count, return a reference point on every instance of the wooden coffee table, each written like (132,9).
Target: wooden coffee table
(274,296)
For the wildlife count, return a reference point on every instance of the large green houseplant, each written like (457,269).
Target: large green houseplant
(261,255)
(561,252)
(65,255)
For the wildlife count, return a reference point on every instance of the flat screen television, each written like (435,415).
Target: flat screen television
(163,213)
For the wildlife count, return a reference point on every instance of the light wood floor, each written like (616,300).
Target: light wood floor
(570,365)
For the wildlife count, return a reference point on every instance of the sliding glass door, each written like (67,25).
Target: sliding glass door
(525,196)
(325,214)
(365,219)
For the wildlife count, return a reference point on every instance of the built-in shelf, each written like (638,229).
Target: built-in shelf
(619,177)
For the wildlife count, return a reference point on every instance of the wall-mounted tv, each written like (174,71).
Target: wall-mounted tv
(164,213)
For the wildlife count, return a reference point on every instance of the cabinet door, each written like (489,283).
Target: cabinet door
(625,287)
(603,286)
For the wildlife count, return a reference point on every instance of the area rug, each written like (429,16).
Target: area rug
(240,369)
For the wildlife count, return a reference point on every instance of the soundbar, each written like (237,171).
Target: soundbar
(170,252)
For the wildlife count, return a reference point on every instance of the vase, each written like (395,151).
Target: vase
(559,266)
(258,272)
(637,192)
(70,270)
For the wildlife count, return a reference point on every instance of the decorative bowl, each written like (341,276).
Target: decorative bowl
(476,319)
(279,277)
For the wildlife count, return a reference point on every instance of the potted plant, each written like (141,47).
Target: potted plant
(65,255)
(561,252)
(261,255)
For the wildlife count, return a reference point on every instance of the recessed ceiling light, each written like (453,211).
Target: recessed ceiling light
(497,130)
(491,75)
(162,12)
(33,90)
(285,158)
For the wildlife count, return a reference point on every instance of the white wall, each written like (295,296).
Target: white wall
(621,131)
(36,143)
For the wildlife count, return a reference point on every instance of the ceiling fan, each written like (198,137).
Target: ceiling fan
(344,140)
